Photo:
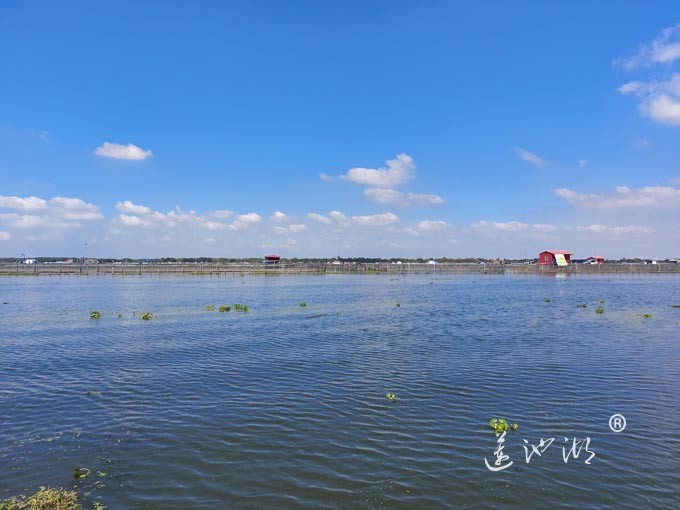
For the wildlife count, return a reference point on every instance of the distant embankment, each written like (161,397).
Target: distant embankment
(326,268)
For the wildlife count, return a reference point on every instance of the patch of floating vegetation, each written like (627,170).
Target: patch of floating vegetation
(599,309)
(48,499)
(225,308)
(646,315)
(675,306)
(209,308)
(95,315)
(146,316)
(241,308)
(303,304)
(392,397)
(119,315)
(548,300)
(82,472)
(500,425)
(582,305)
(398,304)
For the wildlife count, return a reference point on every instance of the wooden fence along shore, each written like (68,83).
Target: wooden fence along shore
(328,268)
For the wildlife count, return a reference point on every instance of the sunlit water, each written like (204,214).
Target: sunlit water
(284,407)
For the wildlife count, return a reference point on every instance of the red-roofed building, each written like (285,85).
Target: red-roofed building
(555,257)
(595,259)
(272,259)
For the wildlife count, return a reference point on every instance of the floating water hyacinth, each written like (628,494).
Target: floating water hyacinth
(209,308)
(548,300)
(224,309)
(582,305)
(146,316)
(392,397)
(500,425)
(95,315)
(241,308)
(303,304)
(599,309)
(646,315)
(81,472)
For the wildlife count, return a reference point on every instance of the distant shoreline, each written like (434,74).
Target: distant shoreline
(236,269)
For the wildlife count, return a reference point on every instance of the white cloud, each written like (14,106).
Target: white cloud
(73,209)
(23,204)
(398,171)
(659,100)
(530,157)
(602,229)
(128,207)
(119,151)
(326,177)
(376,220)
(135,215)
(243,221)
(58,213)
(665,49)
(318,217)
(393,196)
(430,226)
(337,216)
(488,227)
(648,196)
(5,236)
(279,217)
(540,227)
(295,228)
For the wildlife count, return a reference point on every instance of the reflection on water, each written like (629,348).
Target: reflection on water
(285,407)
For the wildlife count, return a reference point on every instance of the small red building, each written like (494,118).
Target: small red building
(595,259)
(555,257)
(272,259)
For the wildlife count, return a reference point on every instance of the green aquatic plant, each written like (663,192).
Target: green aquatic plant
(500,425)
(392,397)
(241,308)
(95,315)
(81,472)
(146,316)
(209,308)
(582,305)
(47,498)
(646,315)
(303,304)
(119,315)
(398,304)
(225,309)
(675,306)
(548,300)
(599,309)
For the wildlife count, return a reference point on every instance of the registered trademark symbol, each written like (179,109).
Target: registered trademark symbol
(617,422)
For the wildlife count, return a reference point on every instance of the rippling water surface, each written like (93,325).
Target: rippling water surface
(284,407)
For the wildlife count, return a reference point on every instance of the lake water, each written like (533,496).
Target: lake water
(284,406)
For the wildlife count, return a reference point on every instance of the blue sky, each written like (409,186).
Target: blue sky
(232,128)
